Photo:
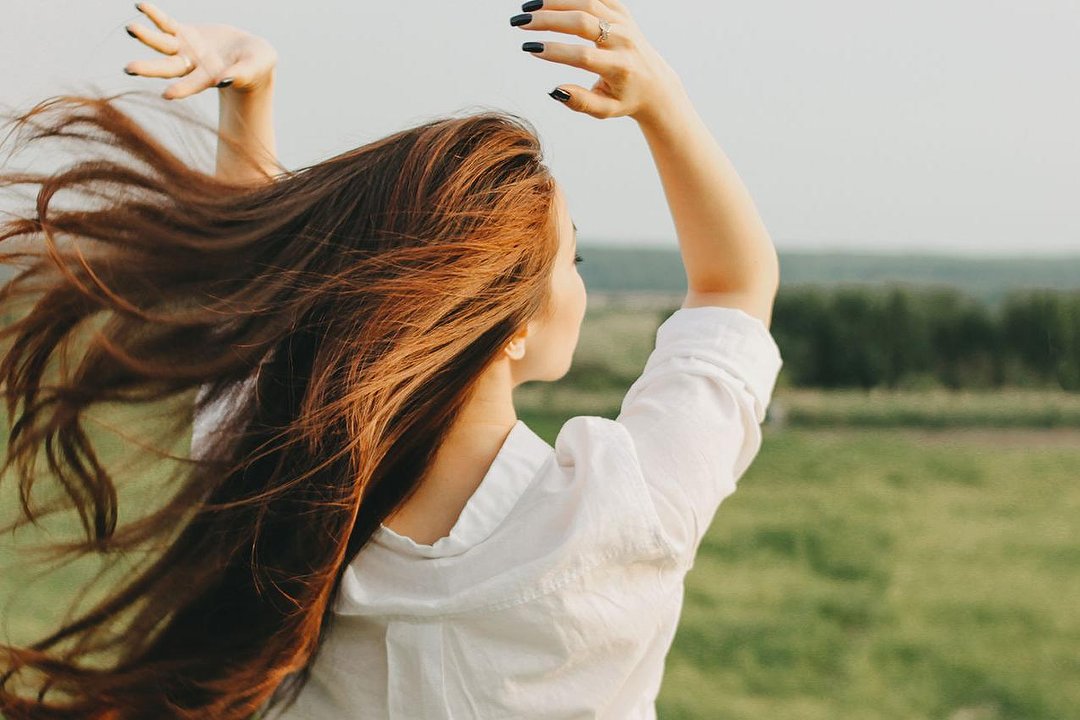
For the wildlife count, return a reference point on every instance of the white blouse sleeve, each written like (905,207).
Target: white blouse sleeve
(694,414)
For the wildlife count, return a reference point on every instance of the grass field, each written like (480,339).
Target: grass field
(861,574)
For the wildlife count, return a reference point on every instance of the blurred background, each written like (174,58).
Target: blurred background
(905,544)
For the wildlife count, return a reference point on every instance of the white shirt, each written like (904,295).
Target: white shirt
(558,591)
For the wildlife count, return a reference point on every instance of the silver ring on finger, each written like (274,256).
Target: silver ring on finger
(605,30)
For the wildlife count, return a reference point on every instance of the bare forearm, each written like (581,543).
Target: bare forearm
(725,245)
(247,117)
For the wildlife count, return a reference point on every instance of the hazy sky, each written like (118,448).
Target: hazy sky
(949,125)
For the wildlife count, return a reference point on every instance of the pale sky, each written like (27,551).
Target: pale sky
(924,125)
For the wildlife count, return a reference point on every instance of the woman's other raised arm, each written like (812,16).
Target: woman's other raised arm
(240,64)
(692,419)
(727,253)
(248,117)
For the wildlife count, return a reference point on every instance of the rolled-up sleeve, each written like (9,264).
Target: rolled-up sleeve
(694,414)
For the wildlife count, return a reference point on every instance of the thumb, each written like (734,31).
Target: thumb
(586,101)
(242,75)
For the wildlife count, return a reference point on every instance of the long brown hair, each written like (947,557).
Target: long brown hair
(363,296)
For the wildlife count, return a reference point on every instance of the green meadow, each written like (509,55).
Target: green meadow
(904,555)
(866,574)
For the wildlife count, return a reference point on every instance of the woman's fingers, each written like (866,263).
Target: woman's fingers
(634,79)
(166,67)
(586,57)
(195,82)
(158,16)
(589,102)
(584,25)
(162,42)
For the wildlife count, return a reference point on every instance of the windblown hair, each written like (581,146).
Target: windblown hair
(362,297)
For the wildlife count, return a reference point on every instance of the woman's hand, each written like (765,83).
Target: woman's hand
(217,54)
(728,255)
(634,79)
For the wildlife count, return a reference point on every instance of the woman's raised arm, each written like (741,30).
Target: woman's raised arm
(728,255)
(248,117)
(239,63)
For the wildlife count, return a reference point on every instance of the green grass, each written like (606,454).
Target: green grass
(860,574)
(928,408)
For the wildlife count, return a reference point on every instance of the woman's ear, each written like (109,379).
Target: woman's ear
(516,347)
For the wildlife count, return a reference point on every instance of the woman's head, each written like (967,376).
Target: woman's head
(543,349)
(365,297)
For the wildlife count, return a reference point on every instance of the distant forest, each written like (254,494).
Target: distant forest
(898,337)
(628,269)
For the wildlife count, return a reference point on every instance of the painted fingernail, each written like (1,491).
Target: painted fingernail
(131,33)
(225,83)
(523,19)
(138,6)
(129,72)
(533,47)
(532,5)
(560,94)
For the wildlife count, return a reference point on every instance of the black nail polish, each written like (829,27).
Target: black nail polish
(560,94)
(532,5)
(225,83)
(131,33)
(129,72)
(523,19)
(533,47)
(138,6)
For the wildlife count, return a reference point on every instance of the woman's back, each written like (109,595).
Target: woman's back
(558,591)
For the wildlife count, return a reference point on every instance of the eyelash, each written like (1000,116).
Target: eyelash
(578,258)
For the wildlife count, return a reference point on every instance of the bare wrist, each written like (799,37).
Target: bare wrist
(674,106)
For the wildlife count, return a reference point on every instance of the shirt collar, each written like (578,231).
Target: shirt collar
(518,461)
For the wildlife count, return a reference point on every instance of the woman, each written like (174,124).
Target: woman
(365,528)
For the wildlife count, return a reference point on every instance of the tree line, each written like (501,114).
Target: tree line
(898,337)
